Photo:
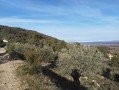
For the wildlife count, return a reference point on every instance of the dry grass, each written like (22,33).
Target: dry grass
(114,49)
(35,81)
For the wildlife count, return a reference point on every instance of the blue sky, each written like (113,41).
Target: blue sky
(69,20)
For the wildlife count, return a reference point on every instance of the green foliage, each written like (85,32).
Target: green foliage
(106,73)
(114,74)
(31,37)
(85,59)
(36,81)
(90,62)
(32,54)
(114,65)
(116,77)
(104,50)
(14,52)
(37,49)
(115,60)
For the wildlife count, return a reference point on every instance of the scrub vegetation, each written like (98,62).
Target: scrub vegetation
(52,64)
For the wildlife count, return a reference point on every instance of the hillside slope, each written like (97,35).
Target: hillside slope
(13,34)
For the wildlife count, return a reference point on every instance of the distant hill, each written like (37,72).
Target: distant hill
(13,34)
(101,43)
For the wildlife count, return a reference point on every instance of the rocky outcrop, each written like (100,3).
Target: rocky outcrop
(2,50)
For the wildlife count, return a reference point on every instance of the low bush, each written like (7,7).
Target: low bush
(116,77)
(85,59)
(88,60)
(14,52)
(106,73)
(115,60)
(104,50)
(33,55)
(34,81)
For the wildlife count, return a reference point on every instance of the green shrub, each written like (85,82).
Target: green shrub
(115,60)
(34,81)
(15,51)
(33,55)
(86,59)
(23,36)
(106,73)
(48,55)
(104,50)
(114,74)
(116,77)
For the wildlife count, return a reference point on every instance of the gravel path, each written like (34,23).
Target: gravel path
(8,79)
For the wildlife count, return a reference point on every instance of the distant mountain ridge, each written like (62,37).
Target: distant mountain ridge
(115,42)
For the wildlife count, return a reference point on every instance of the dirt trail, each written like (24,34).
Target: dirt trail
(8,78)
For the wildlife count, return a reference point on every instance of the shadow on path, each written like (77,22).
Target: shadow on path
(62,82)
(4,58)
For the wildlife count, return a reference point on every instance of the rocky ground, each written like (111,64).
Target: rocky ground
(2,50)
(8,78)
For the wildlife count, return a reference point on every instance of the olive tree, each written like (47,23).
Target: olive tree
(84,58)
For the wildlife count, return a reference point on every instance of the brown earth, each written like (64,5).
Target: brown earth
(8,78)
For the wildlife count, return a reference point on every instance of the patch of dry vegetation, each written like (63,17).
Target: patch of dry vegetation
(88,60)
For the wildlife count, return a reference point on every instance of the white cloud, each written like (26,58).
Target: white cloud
(19,20)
